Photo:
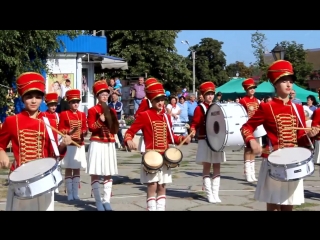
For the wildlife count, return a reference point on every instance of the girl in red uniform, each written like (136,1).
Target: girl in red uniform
(30,140)
(102,156)
(251,104)
(277,116)
(74,123)
(205,156)
(155,128)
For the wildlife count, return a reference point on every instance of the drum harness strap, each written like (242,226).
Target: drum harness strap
(59,136)
(204,111)
(295,109)
(53,141)
(170,131)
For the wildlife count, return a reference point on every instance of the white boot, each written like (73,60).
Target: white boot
(248,171)
(151,204)
(215,188)
(207,189)
(75,187)
(253,171)
(107,188)
(68,182)
(161,203)
(96,193)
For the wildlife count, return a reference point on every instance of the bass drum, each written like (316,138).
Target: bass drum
(223,123)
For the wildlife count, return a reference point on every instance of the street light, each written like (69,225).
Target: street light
(193,66)
(278,52)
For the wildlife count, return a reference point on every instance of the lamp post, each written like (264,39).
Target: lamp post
(193,52)
(278,52)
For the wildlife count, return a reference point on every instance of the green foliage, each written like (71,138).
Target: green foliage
(152,52)
(210,62)
(241,68)
(258,44)
(16,48)
(296,54)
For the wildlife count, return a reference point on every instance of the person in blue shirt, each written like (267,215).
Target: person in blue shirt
(116,105)
(192,104)
(312,103)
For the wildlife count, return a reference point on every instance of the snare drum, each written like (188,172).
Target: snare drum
(223,123)
(259,132)
(290,164)
(179,128)
(35,178)
(172,157)
(152,162)
(139,133)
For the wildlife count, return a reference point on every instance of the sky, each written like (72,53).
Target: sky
(237,43)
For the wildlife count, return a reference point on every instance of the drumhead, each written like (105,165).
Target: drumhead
(32,169)
(290,155)
(179,125)
(174,154)
(153,158)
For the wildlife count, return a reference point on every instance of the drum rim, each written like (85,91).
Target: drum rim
(147,165)
(169,161)
(39,194)
(34,179)
(290,180)
(207,140)
(291,164)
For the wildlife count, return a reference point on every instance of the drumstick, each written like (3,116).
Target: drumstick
(184,140)
(297,128)
(63,135)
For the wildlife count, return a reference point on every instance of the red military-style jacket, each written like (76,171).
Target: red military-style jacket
(155,130)
(276,116)
(198,121)
(70,120)
(316,122)
(29,138)
(99,130)
(144,106)
(250,104)
(54,116)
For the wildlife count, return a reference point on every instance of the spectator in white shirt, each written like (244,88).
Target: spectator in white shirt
(173,109)
(64,105)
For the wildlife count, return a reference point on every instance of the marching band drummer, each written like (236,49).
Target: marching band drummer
(276,116)
(250,104)
(30,139)
(145,105)
(205,156)
(102,156)
(156,133)
(51,99)
(74,123)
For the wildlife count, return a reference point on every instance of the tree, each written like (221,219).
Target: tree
(26,50)
(241,68)
(297,56)
(210,62)
(149,51)
(258,43)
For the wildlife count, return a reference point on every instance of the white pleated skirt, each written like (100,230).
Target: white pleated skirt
(75,158)
(161,177)
(205,154)
(269,190)
(102,159)
(44,202)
